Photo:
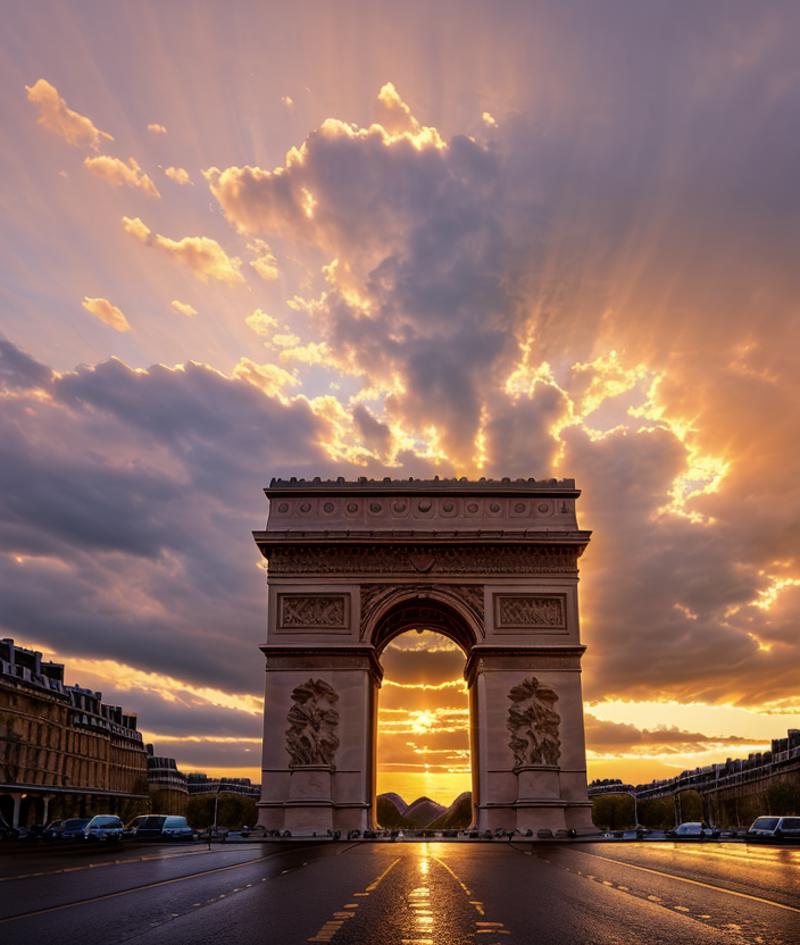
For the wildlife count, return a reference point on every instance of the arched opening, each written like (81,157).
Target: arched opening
(423,747)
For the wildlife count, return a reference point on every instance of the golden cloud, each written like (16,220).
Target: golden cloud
(270,378)
(155,129)
(265,264)
(178,174)
(107,312)
(183,308)
(201,254)
(56,116)
(120,174)
(260,322)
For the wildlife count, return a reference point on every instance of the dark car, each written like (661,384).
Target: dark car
(105,827)
(73,829)
(775,828)
(693,830)
(159,827)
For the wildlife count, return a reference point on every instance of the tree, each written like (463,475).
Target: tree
(612,811)
(782,798)
(234,810)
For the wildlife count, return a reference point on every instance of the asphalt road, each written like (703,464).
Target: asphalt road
(434,893)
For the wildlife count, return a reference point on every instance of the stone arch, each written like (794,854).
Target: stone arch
(493,565)
(448,611)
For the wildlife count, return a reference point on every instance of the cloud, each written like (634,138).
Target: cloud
(201,254)
(183,308)
(288,101)
(107,312)
(270,378)
(127,498)
(418,300)
(260,322)
(265,264)
(178,174)
(619,737)
(488,119)
(19,370)
(116,172)
(56,116)
(156,129)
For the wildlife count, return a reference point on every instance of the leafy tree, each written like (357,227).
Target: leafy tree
(612,811)
(234,810)
(782,798)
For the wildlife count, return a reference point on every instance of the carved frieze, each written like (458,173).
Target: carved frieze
(513,612)
(311,738)
(313,611)
(533,724)
(478,560)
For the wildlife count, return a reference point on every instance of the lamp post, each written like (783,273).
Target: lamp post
(216,804)
(635,809)
(213,829)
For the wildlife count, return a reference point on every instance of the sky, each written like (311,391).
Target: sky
(241,241)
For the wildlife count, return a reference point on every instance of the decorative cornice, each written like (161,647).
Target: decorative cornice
(286,656)
(455,486)
(522,657)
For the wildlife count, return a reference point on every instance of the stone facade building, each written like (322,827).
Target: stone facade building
(169,793)
(200,783)
(63,751)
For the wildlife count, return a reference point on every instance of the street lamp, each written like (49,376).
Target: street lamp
(216,804)
(632,793)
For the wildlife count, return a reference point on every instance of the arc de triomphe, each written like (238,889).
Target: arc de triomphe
(490,564)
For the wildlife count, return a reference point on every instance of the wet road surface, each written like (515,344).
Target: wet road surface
(434,893)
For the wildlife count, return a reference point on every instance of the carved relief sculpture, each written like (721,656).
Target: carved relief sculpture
(529,610)
(533,723)
(311,737)
(313,610)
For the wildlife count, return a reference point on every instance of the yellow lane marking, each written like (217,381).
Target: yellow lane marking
(135,889)
(466,889)
(375,883)
(481,928)
(697,882)
(332,926)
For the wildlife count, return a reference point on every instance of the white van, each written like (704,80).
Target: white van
(775,828)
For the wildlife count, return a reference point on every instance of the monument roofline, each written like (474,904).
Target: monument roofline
(454,486)
(500,536)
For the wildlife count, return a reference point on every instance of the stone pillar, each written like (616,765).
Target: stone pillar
(528,742)
(46,807)
(318,753)
(539,804)
(17,799)
(309,808)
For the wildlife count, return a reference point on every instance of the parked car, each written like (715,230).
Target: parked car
(73,828)
(53,830)
(693,830)
(159,827)
(775,828)
(105,827)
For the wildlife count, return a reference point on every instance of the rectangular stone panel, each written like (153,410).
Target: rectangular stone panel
(521,613)
(313,612)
